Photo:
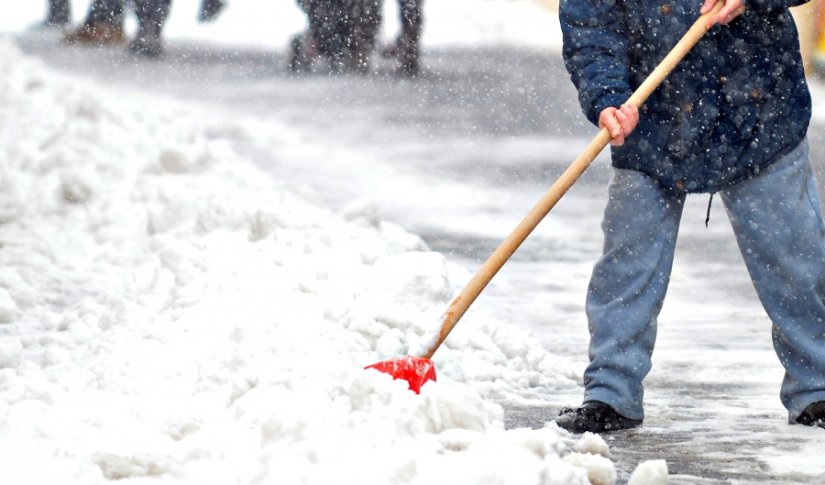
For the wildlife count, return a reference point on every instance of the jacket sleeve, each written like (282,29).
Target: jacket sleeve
(768,6)
(595,53)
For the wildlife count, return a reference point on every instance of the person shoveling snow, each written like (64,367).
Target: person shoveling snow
(731,120)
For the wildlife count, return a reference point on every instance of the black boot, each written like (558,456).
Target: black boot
(596,417)
(150,46)
(813,415)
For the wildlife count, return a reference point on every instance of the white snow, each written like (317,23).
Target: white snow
(652,472)
(593,444)
(600,470)
(172,315)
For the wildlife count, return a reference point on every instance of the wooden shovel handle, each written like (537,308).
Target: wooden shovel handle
(506,249)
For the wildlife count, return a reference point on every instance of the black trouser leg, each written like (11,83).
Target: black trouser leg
(59,12)
(151,14)
(408,40)
(105,11)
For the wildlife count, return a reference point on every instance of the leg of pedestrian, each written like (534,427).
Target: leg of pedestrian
(151,14)
(360,29)
(408,40)
(59,13)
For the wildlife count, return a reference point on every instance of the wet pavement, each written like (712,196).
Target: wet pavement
(458,156)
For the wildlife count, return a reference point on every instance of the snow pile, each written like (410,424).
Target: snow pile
(653,472)
(171,315)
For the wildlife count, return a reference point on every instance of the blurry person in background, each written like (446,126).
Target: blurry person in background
(342,32)
(59,14)
(151,15)
(103,25)
(406,47)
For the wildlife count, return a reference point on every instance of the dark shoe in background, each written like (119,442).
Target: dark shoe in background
(356,61)
(408,63)
(390,51)
(97,33)
(146,46)
(302,53)
(813,415)
(406,53)
(595,417)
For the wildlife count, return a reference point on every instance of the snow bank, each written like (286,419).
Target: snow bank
(168,314)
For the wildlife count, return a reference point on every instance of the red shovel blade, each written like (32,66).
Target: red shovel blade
(415,370)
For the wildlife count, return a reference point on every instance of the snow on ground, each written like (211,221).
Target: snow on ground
(169,314)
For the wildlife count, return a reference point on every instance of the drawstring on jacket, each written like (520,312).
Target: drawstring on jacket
(707,217)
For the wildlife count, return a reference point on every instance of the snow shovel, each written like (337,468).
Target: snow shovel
(419,370)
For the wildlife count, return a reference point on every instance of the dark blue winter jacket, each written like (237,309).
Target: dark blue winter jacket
(736,103)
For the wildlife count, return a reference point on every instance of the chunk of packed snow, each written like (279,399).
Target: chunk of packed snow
(11,350)
(8,308)
(600,470)
(593,444)
(651,472)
